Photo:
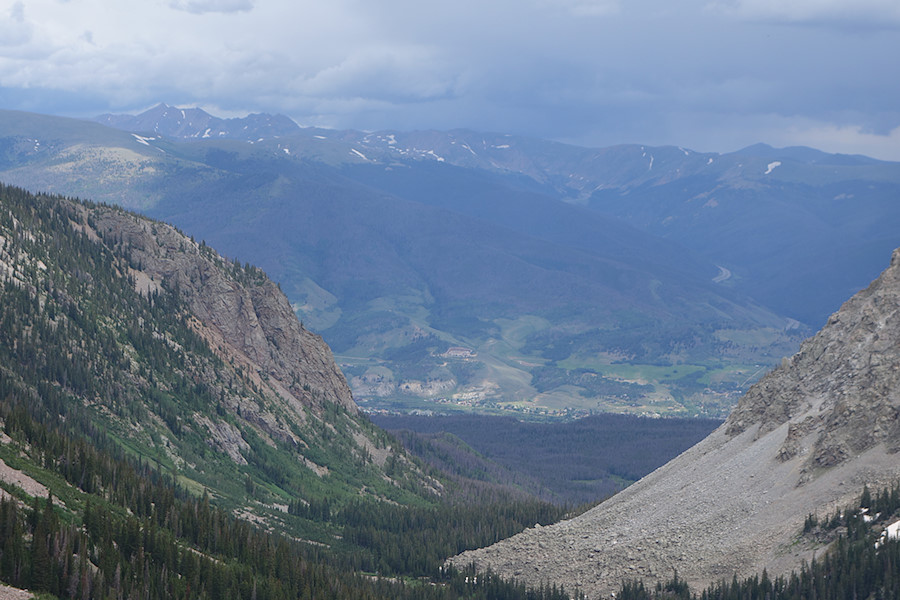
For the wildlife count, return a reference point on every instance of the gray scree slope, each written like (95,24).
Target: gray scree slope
(805,438)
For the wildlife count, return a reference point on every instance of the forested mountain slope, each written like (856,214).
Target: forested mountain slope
(168,429)
(803,441)
(187,359)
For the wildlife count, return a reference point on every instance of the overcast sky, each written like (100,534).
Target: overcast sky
(711,75)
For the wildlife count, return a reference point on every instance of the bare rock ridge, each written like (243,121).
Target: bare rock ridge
(839,393)
(804,439)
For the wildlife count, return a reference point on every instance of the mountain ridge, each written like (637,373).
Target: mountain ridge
(368,235)
(196,123)
(255,321)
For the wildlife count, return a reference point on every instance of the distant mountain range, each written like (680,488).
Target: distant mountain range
(195,123)
(746,211)
(631,278)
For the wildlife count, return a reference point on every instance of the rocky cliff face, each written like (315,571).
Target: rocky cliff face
(840,393)
(805,439)
(244,317)
(242,307)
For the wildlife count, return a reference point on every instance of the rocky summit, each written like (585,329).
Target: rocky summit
(804,440)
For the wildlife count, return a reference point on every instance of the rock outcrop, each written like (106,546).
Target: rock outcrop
(245,319)
(244,310)
(804,439)
(841,392)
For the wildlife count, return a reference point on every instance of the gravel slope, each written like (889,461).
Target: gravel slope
(806,438)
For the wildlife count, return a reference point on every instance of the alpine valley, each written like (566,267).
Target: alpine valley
(483,272)
(168,429)
(171,427)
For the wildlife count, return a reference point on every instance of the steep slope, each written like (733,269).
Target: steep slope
(153,343)
(805,439)
(240,310)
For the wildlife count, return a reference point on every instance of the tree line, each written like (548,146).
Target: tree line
(859,564)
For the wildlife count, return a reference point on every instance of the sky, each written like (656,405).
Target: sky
(710,75)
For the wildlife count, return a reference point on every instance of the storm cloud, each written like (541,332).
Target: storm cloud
(713,75)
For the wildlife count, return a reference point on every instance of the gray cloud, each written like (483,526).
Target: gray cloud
(200,7)
(713,75)
(392,73)
(14,31)
(875,14)
(586,8)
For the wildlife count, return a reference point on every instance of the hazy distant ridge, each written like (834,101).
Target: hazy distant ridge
(552,264)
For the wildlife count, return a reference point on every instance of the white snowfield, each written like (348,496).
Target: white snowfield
(142,140)
(891,532)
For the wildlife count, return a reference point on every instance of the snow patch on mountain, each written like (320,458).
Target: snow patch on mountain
(359,154)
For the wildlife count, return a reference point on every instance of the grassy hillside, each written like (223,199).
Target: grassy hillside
(81,336)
